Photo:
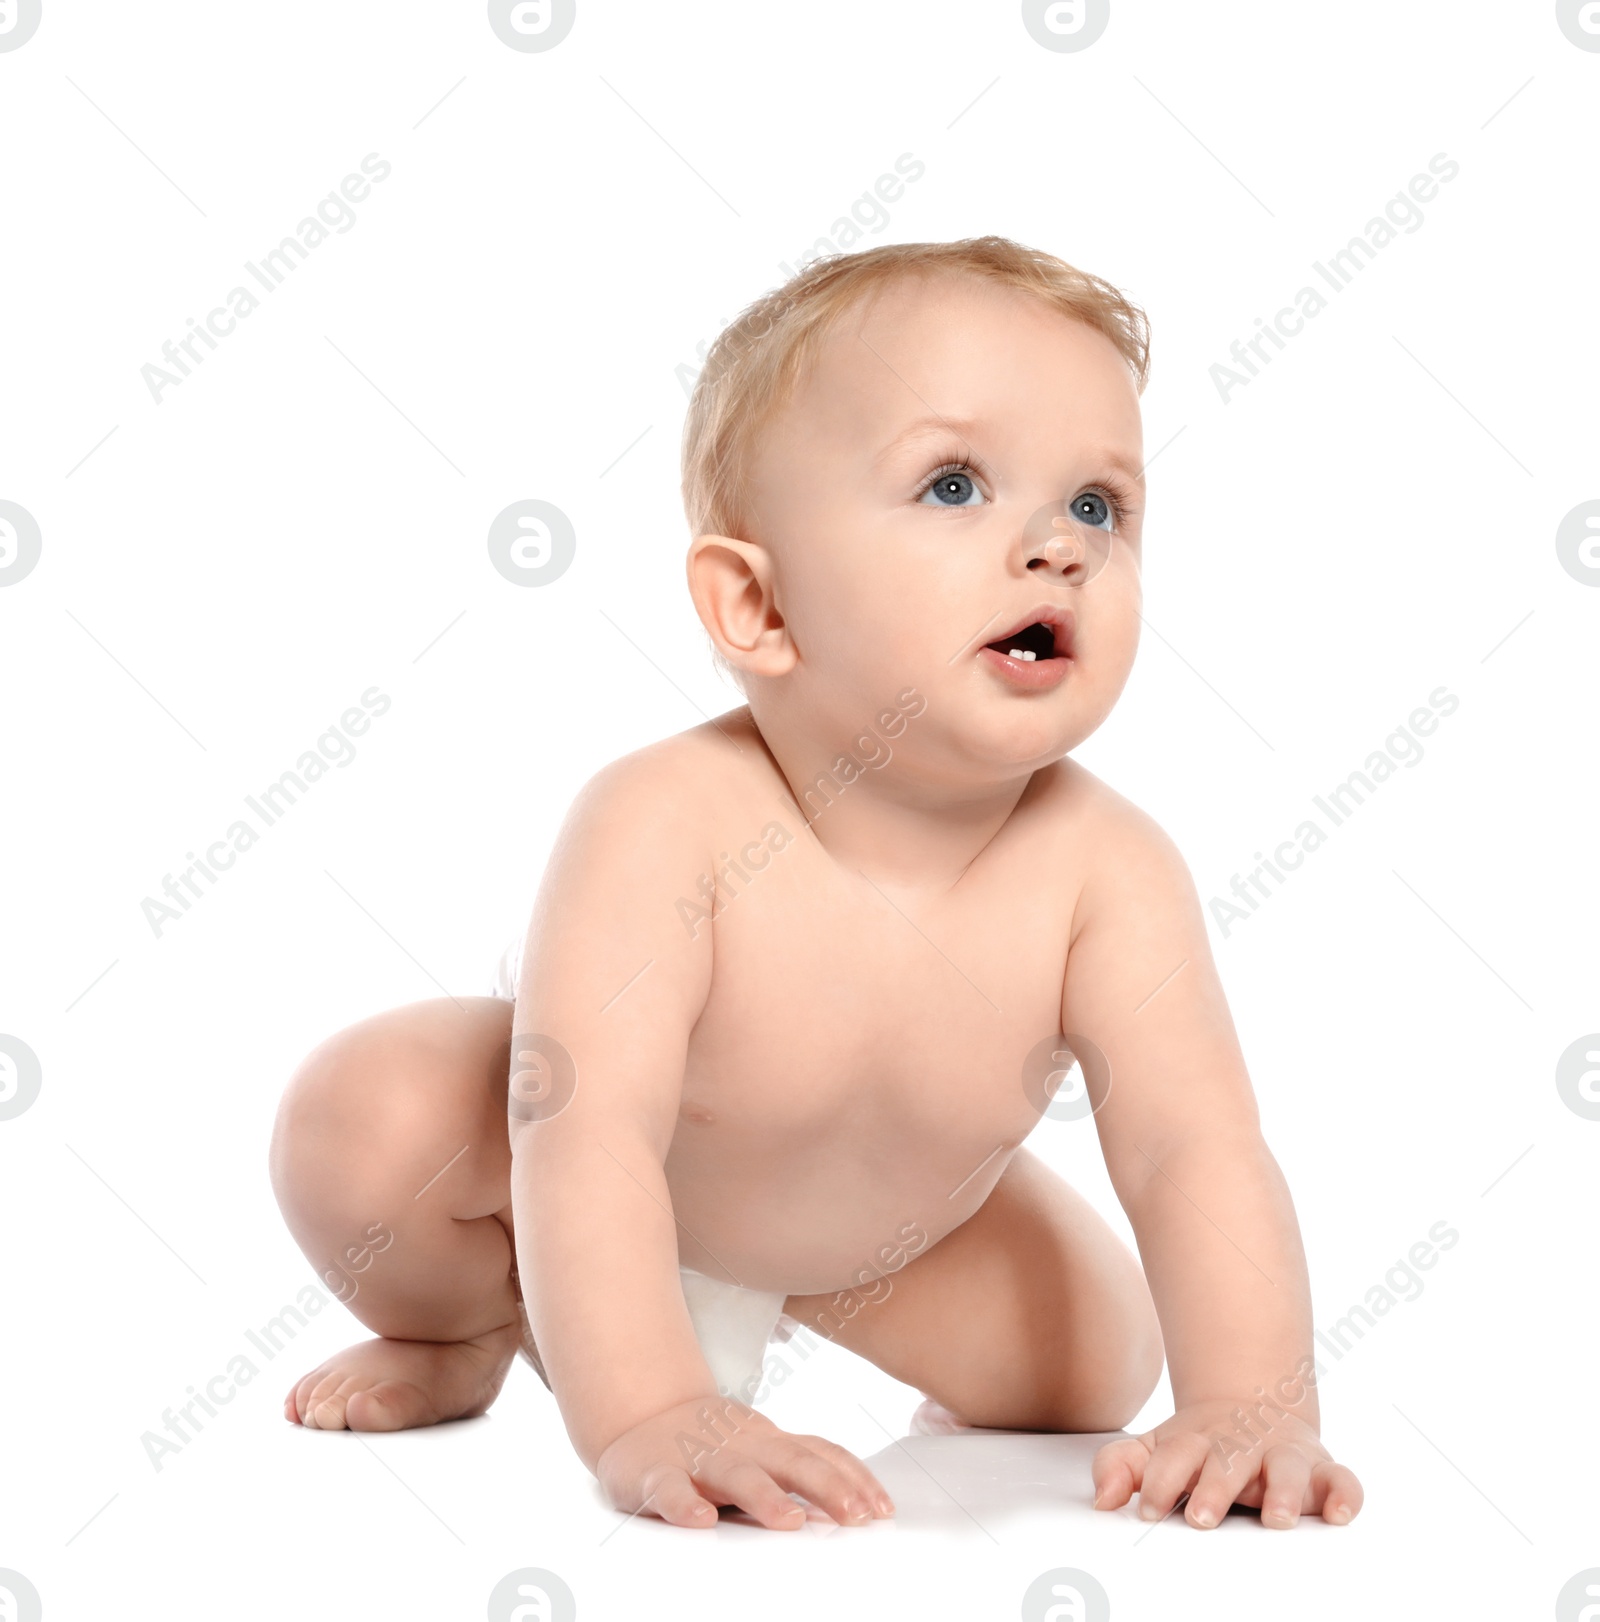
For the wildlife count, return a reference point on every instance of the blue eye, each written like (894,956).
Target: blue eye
(950,487)
(1093,509)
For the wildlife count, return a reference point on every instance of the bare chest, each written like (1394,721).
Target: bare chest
(844,1009)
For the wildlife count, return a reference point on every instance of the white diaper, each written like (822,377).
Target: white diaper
(505,972)
(733,1325)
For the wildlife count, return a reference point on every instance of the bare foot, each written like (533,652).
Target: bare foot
(391,1385)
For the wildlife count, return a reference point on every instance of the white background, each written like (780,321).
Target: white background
(305,517)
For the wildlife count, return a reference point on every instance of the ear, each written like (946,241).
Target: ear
(732,584)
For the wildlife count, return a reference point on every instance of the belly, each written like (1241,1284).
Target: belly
(819,1177)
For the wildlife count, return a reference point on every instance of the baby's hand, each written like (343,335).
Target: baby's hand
(713,1450)
(1207,1451)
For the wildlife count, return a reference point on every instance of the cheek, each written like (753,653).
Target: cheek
(1112,620)
(872,602)
(844,623)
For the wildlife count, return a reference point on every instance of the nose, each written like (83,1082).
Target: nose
(1059,549)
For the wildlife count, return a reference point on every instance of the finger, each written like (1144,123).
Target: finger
(1118,1469)
(1225,1474)
(1170,1473)
(865,1483)
(1334,1493)
(797,1468)
(671,1495)
(750,1488)
(1285,1476)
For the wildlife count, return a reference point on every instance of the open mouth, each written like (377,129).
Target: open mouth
(1037,652)
(1032,642)
(1044,633)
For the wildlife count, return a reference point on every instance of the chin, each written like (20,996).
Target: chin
(1024,740)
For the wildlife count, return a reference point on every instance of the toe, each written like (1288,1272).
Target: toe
(390,1405)
(298,1407)
(324,1416)
(326,1409)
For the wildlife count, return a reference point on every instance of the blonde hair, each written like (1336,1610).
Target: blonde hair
(759,358)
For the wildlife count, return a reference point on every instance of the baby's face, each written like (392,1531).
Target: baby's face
(907,495)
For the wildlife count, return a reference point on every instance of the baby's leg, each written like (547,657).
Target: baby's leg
(397,1126)
(1032,1315)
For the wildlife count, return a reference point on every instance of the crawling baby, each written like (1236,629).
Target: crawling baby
(799,982)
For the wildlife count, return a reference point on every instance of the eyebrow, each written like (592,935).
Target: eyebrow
(963,428)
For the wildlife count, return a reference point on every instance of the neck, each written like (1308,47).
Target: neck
(873,803)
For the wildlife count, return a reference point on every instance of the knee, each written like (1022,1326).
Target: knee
(1072,1392)
(1109,1396)
(350,1118)
(1123,1391)
(1091,1390)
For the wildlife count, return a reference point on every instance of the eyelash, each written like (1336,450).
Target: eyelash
(1116,494)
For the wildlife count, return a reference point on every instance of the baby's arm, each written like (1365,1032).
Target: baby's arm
(1211,1210)
(610,972)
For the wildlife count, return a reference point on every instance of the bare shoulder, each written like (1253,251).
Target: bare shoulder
(631,852)
(1080,803)
(676,784)
(1122,853)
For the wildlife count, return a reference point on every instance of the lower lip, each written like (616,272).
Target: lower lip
(1032,674)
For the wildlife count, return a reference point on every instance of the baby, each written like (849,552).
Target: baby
(800,981)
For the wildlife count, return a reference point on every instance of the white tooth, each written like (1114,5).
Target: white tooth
(1025,655)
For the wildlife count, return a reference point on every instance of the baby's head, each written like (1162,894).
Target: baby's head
(892,467)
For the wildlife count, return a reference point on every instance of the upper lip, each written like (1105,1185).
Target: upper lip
(1061,623)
